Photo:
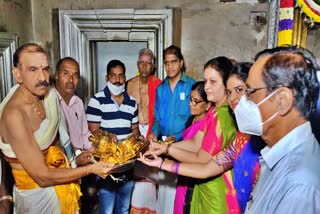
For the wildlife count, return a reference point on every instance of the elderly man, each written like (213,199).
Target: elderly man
(29,125)
(282,93)
(143,89)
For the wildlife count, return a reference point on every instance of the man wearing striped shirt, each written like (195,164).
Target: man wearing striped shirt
(113,110)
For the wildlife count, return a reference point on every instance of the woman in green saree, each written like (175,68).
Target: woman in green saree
(214,194)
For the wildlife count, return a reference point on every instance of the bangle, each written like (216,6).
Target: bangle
(6,197)
(167,149)
(176,169)
(161,163)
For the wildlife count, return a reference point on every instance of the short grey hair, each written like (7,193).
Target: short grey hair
(296,69)
(146,51)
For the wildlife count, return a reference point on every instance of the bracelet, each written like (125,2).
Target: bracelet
(161,163)
(176,169)
(6,197)
(167,149)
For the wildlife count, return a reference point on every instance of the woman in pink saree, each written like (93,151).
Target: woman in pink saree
(199,105)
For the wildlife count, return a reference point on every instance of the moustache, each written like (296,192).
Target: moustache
(70,85)
(42,83)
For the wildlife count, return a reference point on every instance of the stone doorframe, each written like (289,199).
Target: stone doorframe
(273,20)
(77,28)
(8,45)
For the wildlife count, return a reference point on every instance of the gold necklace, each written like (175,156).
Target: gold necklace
(36,105)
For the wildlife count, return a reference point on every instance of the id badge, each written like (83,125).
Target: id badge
(182,96)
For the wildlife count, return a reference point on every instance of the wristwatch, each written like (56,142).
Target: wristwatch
(77,152)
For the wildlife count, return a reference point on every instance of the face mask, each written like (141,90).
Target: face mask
(248,115)
(115,90)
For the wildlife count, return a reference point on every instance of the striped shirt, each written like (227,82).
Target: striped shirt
(112,117)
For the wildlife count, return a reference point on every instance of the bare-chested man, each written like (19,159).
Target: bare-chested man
(143,89)
(30,120)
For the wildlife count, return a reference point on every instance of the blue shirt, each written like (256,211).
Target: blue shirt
(172,108)
(112,117)
(290,175)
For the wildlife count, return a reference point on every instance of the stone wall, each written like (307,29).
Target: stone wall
(16,17)
(209,28)
(313,41)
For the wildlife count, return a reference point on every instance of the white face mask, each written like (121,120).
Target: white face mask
(115,90)
(248,115)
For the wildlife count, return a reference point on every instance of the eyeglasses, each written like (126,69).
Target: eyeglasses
(144,63)
(172,62)
(195,102)
(250,91)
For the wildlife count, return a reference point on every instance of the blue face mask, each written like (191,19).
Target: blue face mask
(115,90)
(248,115)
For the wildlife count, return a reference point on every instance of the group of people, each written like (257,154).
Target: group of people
(274,154)
(242,138)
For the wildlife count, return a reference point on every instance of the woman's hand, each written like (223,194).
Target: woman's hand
(151,159)
(156,148)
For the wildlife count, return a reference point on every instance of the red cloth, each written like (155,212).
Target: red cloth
(153,83)
(286,3)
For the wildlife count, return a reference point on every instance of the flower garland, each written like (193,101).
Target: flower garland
(285,27)
(311,8)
